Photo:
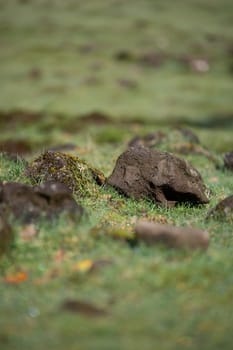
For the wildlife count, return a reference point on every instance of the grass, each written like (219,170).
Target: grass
(154,297)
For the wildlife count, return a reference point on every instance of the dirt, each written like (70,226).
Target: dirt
(83,308)
(29,203)
(223,210)
(75,173)
(63,147)
(19,147)
(6,235)
(151,59)
(160,176)
(17,117)
(228,160)
(171,236)
(95,117)
(178,140)
(149,140)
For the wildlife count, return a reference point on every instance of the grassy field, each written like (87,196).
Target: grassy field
(61,60)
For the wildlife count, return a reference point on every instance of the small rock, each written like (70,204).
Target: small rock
(144,173)
(84,308)
(6,236)
(152,59)
(71,171)
(228,160)
(29,203)
(171,236)
(200,65)
(223,210)
(149,140)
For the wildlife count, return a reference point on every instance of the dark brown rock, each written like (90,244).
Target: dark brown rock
(84,308)
(149,140)
(28,203)
(6,236)
(144,173)
(228,160)
(171,236)
(223,210)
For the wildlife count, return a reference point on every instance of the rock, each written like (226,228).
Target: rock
(223,210)
(179,141)
(28,203)
(171,236)
(228,160)
(75,173)
(6,236)
(84,308)
(152,59)
(144,173)
(149,140)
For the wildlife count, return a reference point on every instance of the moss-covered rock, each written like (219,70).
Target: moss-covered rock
(75,173)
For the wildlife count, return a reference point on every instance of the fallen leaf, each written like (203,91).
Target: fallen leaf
(83,266)
(16,278)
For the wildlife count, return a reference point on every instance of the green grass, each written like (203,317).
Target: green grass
(155,298)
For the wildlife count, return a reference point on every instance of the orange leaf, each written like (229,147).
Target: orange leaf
(16,278)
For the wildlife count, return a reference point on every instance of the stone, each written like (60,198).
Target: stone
(159,176)
(149,140)
(228,160)
(171,236)
(27,203)
(75,173)
(223,210)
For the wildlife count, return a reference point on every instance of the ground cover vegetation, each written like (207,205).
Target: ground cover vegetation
(84,83)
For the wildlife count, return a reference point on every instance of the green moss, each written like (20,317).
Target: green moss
(75,173)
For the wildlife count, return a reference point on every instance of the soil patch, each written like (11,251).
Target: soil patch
(6,235)
(20,147)
(14,118)
(228,160)
(28,203)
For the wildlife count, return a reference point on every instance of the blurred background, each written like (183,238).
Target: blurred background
(149,59)
(155,61)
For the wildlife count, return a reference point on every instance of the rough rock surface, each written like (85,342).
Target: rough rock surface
(223,210)
(171,236)
(6,235)
(228,160)
(28,203)
(178,140)
(160,176)
(69,170)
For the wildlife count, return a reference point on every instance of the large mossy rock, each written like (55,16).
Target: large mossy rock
(75,173)
(144,173)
